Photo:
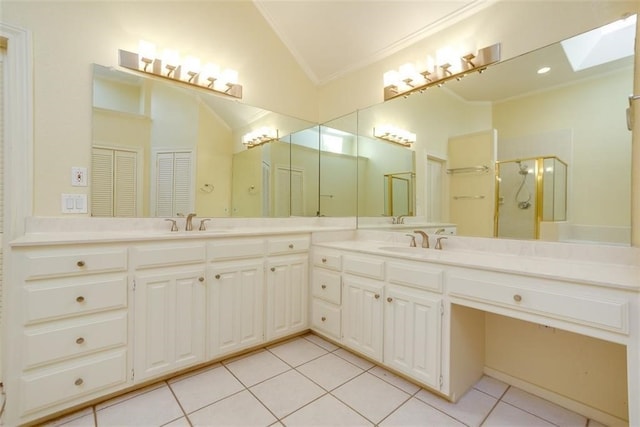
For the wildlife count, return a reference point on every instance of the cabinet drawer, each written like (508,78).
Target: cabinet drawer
(65,262)
(326,259)
(563,301)
(326,318)
(287,245)
(59,298)
(417,275)
(367,267)
(82,336)
(326,285)
(166,255)
(54,385)
(225,249)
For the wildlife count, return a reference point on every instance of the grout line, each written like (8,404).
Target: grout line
(179,404)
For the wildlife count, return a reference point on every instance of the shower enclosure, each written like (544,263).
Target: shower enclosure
(529,191)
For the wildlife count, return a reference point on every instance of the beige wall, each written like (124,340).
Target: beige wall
(69,36)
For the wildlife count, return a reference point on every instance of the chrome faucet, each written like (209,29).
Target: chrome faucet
(425,238)
(189,225)
(399,219)
(439,242)
(413,240)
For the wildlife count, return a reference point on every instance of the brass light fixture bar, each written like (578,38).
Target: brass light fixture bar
(177,72)
(259,137)
(404,84)
(393,134)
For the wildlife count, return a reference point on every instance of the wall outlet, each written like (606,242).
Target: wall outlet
(78,176)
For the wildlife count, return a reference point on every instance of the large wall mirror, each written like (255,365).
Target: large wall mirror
(161,149)
(517,152)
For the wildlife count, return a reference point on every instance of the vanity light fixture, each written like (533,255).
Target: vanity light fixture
(409,79)
(394,134)
(260,136)
(170,66)
(544,70)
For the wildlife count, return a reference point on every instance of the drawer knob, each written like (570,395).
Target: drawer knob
(376,296)
(324,260)
(80,263)
(290,245)
(217,276)
(200,279)
(79,381)
(273,269)
(323,318)
(389,299)
(324,286)
(80,299)
(517,298)
(80,340)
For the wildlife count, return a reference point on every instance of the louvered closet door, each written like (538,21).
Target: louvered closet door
(102,182)
(174,183)
(125,192)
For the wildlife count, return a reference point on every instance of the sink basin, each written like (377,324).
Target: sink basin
(402,249)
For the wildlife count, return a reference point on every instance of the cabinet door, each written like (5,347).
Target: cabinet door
(412,340)
(287,281)
(169,320)
(362,316)
(235,309)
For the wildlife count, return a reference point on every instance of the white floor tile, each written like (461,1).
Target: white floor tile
(543,408)
(130,395)
(321,342)
(352,358)
(197,391)
(69,419)
(84,421)
(505,415)
(155,407)
(257,367)
(326,411)
(297,351)
(594,423)
(180,422)
(491,386)
(470,409)
(241,409)
(417,413)
(286,393)
(330,371)
(394,379)
(371,396)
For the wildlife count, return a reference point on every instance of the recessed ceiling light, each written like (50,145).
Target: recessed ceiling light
(544,70)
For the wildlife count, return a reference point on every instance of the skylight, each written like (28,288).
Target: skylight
(605,44)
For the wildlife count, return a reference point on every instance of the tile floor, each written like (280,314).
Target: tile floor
(308,381)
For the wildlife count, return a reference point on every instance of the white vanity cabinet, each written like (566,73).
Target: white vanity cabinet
(326,292)
(70,335)
(169,307)
(286,285)
(235,295)
(362,294)
(414,308)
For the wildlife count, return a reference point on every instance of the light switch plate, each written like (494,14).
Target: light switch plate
(78,176)
(74,203)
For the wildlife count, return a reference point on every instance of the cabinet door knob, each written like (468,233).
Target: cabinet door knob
(290,245)
(80,340)
(323,318)
(517,298)
(324,260)
(324,286)
(217,276)
(200,279)
(376,296)
(79,381)
(389,299)
(80,263)
(273,269)
(80,299)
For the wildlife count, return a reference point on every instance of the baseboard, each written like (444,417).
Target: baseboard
(565,402)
